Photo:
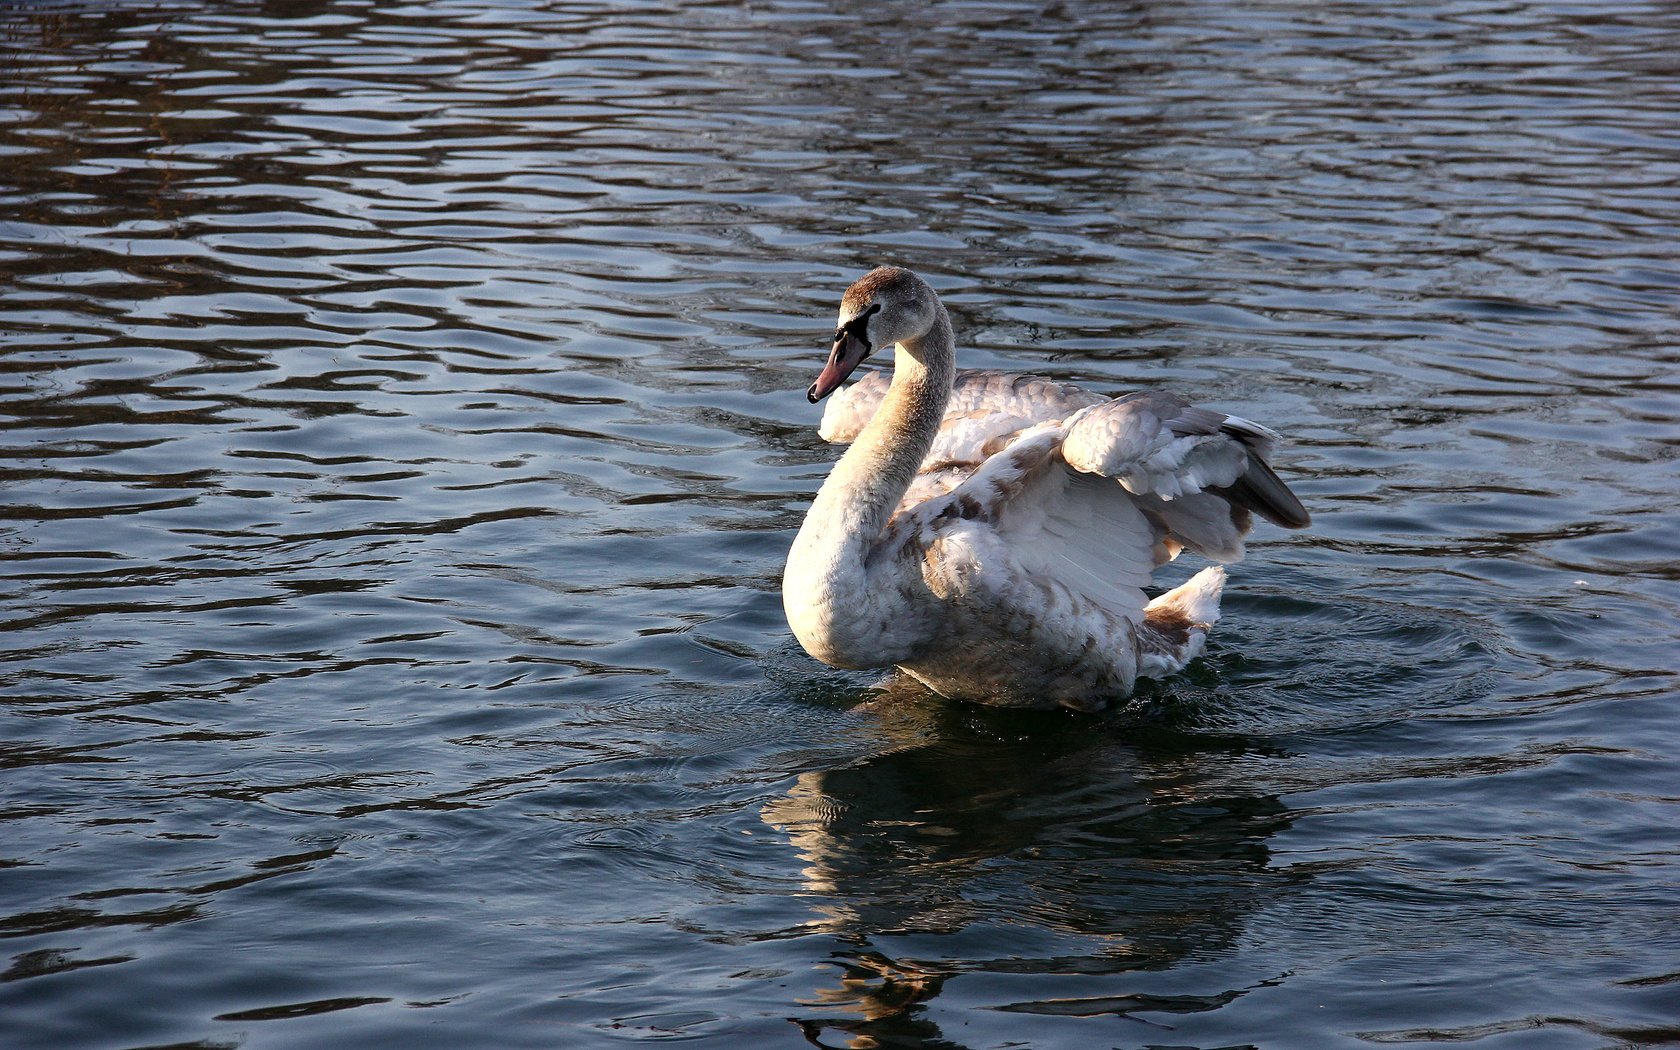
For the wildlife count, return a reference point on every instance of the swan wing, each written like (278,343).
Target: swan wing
(1198,471)
(1025,526)
(1096,502)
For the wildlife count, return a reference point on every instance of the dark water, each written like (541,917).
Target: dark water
(404,430)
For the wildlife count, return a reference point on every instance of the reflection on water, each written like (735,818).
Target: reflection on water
(1069,848)
(402,437)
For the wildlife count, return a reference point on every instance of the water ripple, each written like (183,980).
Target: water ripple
(401,438)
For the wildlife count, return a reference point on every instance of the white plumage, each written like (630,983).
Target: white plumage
(991,534)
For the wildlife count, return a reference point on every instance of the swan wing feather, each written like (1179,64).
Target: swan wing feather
(1051,526)
(1156,443)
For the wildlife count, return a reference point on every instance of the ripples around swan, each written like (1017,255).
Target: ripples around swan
(403,433)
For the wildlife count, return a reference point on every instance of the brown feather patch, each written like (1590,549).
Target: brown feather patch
(865,289)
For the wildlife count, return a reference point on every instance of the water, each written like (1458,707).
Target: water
(404,430)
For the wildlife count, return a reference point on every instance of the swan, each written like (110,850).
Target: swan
(991,534)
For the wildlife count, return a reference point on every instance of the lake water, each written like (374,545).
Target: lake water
(404,429)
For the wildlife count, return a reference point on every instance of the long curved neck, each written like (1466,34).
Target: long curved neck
(865,486)
(840,608)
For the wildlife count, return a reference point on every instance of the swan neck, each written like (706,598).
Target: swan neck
(879,467)
(841,589)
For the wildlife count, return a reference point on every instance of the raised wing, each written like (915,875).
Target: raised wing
(1024,525)
(1096,502)
(1201,472)
(1193,473)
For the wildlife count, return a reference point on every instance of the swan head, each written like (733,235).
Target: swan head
(887,305)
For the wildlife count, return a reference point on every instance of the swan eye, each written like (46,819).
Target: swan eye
(858,328)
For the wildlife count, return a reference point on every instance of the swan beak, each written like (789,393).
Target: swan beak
(849,352)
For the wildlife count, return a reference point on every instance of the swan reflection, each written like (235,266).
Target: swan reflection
(1024,844)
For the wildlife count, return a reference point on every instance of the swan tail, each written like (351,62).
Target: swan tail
(1176,624)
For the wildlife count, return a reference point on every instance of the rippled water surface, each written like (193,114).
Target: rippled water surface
(403,431)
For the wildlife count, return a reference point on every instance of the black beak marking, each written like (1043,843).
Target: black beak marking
(858,328)
(840,363)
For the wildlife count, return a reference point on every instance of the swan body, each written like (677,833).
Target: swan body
(991,534)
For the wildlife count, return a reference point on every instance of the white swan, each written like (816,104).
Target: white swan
(990,534)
